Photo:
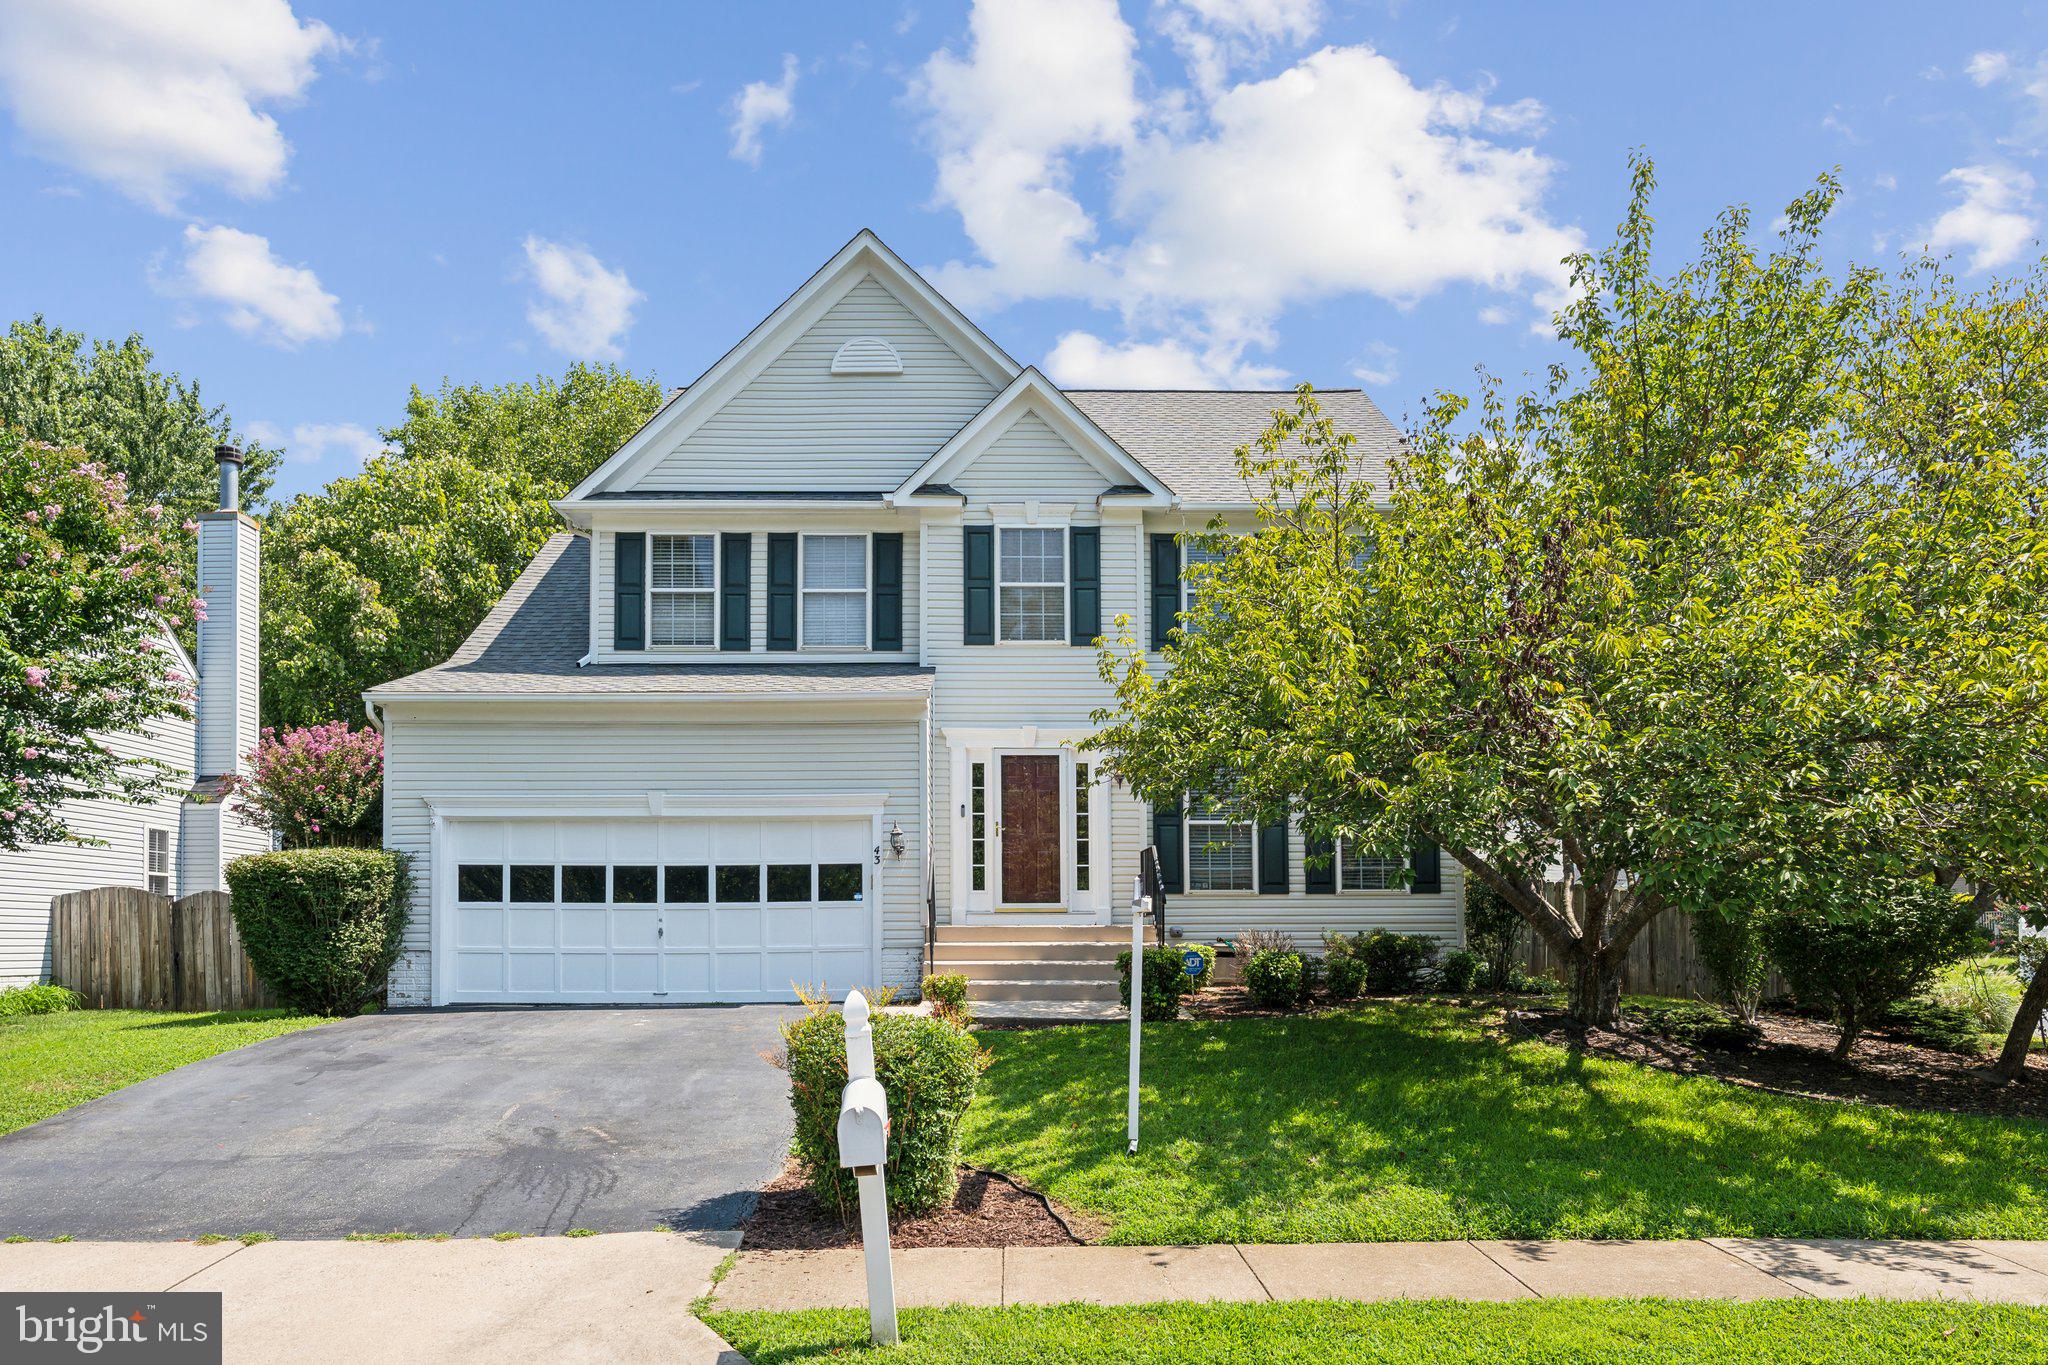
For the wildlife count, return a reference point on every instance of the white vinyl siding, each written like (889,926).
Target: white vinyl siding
(833,591)
(31,878)
(1029,460)
(798,426)
(481,752)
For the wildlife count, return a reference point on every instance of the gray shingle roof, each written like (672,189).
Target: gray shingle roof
(1189,437)
(530,643)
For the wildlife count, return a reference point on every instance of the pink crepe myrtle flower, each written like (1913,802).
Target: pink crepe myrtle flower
(53,510)
(190,525)
(32,516)
(153,512)
(37,676)
(31,753)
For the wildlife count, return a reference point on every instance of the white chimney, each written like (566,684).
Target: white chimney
(228,568)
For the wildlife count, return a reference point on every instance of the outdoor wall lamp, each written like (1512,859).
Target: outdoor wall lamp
(895,839)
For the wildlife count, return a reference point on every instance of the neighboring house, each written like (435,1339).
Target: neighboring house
(177,844)
(817,656)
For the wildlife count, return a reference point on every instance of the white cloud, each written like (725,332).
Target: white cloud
(314,442)
(1216,36)
(1378,366)
(258,295)
(1493,315)
(1081,360)
(761,105)
(1337,176)
(582,308)
(1994,222)
(1886,181)
(2025,80)
(153,98)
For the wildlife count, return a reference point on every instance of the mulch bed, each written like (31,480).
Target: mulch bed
(1794,1059)
(990,1210)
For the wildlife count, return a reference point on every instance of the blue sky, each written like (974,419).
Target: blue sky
(311,206)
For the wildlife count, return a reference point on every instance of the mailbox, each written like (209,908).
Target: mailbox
(863,1125)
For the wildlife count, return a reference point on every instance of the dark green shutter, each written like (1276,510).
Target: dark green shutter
(1084,605)
(1273,874)
(887,632)
(1428,876)
(1319,878)
(1169,837)
(782,590)
(978,595)
(735,593)
(1165,587)
(629,590)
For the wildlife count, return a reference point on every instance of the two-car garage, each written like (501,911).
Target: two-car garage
(654,910)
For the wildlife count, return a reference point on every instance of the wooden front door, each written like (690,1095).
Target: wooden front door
(1030,839)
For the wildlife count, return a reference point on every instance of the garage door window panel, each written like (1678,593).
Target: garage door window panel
(739,885)
(480,883)
(633,885)
(789,882)
(533,883)
(582,884)
(684,885)
(840,882)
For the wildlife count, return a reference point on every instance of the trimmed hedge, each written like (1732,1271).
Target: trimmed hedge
(1459,969)
(47,998)
(1278,980)
(322,926)
(928,1068)
(1347,976)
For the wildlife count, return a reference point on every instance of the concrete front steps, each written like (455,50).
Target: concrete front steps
(1036,972)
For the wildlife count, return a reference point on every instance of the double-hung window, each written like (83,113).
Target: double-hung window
(835,592)
(682,585)
(1220,847)
(1359,870)
(156,861)
(1031,579)
(1192,584)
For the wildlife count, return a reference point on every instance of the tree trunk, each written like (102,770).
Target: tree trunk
(1595,991)
(2012,1059)
(1851,1031)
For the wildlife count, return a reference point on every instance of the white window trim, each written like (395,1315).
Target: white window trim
(717,591)
(1187,852)
(150,874)
(1343,859)
(1065,585)
(865,592)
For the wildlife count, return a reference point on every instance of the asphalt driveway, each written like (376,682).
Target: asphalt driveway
(466,1122)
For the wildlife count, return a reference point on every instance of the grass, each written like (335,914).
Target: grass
(50,1062)
(1798,1332)
(1395,1122)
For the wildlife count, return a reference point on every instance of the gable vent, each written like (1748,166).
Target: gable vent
(867,355)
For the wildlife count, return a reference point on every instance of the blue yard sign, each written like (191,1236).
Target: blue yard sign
(1191,963)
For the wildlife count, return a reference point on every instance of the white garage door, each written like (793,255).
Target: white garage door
(674,911)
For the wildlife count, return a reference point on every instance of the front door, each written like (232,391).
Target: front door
(1028,836)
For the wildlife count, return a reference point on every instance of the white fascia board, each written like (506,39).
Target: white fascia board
(865,255)
(624,510)
(1033,392)
(911,701)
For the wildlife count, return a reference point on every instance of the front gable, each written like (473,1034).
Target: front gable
(855,380)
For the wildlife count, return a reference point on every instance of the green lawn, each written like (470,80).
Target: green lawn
(49,1062)
(1409,1122)
(1551,1331)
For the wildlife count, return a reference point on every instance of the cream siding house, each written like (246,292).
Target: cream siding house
(179,843)
(808,684)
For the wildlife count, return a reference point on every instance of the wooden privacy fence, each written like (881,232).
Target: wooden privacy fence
(1663,960)
(121,947)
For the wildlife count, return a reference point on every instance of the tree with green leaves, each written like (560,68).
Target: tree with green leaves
(146,424)
(1677,623)
(89,581)
(386,572)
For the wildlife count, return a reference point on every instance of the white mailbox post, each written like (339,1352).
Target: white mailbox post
(1141,906)
(864,1150)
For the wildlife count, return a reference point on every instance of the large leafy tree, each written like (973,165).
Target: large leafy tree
(387,571)
(89,579)
(1706,616)
(139,421)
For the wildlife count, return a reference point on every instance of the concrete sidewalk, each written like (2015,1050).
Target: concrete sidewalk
(618,1297)
(1715,1268)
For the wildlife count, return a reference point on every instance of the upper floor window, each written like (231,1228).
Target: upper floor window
(156,861)
(1221,847)
(1358,870)
(1031,584)
(835,592)
(1192,584)
(681,588)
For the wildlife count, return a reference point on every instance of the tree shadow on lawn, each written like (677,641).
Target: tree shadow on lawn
(1410,1121)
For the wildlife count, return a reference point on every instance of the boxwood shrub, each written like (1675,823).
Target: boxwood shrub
(322,926)
(1459,969)
(1278,980)
(1346,976)
(928,1068)
(947,992)
(1166,978)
